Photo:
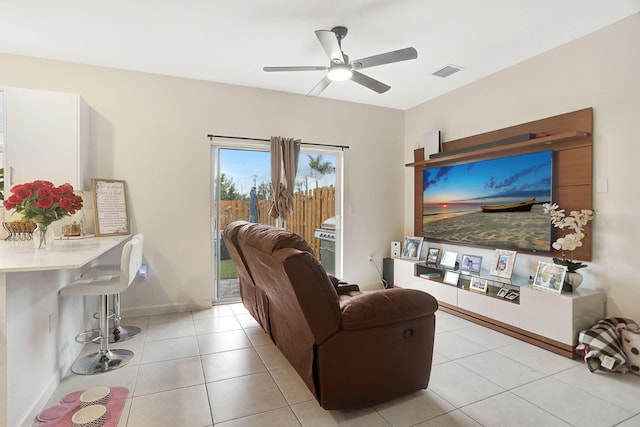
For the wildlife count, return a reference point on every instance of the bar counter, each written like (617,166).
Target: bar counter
(71,253)
(37,327)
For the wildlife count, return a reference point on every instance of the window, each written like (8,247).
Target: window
(241,190)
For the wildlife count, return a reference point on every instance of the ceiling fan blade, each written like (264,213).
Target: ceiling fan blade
(322,85)
(330,44)
(386,58)
(370,83)
(297,68)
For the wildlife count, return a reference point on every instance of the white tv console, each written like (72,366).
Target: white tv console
(548,320)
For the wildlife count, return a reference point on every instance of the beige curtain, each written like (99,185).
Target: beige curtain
(284,166)
(276,168)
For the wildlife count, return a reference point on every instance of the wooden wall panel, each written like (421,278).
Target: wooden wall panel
(581,120)
(417,190)
(574,197)
(572,164)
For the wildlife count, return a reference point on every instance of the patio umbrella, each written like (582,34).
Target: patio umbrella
(253,205)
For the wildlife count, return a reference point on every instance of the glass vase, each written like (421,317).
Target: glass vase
(43,237)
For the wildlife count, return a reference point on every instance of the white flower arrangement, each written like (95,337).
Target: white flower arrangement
(574,223)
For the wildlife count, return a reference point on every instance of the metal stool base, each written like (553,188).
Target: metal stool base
(126,333)
(92,335)
(102,361)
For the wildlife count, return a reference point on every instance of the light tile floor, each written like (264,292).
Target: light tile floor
(217,367)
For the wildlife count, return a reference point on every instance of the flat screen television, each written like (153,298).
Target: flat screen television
(492,203)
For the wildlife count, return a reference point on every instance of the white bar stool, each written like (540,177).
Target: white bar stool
(107,359)
(120,332)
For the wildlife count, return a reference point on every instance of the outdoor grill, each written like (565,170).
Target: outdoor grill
(327,235)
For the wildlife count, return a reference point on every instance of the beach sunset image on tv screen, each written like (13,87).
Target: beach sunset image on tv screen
(492,203)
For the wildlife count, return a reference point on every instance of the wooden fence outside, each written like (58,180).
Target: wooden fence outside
(310,209)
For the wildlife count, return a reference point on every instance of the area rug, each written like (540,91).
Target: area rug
(60,415)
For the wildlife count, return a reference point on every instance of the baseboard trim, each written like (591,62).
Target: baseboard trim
(535,339)
(154,310)
(40,403)
(67,355)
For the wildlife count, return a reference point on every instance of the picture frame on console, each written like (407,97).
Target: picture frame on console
(503,263)
(549,277)
(451,278)
(432,255)
(449,259)
(471,263)
(479,284)
(412,248)
(512,295)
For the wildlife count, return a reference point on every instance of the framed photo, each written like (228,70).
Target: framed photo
(412,248)
(503,292)
(479,284)
(449,259)
(432,255)
(512,295)
(110,207)
(451,278)
(549,277)
(503,262)
(471,263)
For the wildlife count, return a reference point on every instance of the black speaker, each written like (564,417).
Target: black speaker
(387,271)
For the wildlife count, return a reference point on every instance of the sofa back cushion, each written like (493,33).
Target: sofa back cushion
(285,269)
(253,299)
(269,239)
(230,237)
(304,309)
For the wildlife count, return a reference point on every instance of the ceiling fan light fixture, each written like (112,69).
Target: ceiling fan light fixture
(341,68)
(339,73)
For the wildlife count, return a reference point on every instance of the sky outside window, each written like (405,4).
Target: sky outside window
(248,168)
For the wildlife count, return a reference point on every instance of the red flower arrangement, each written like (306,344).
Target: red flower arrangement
(42,202)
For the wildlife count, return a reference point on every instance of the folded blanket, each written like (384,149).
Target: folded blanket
(602,347)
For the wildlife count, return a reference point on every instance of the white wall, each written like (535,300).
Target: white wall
(150,130)
(601,70)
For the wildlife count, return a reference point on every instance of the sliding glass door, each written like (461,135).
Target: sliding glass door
(241,190)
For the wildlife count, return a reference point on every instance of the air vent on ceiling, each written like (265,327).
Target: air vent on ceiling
(446,71)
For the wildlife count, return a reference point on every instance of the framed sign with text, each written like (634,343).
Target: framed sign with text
(110,207)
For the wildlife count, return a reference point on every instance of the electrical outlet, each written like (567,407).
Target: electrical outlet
(142,272)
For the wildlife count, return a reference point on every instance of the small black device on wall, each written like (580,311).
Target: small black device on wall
(387,271)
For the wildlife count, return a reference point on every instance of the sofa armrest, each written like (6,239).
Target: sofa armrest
(386,307)
(343,288)
(347,289)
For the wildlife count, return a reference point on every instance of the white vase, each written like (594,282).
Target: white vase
(574,279)
(43,237)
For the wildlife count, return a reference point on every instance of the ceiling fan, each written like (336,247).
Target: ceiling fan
(340,68)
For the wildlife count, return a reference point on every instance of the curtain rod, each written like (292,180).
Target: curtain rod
(246,138)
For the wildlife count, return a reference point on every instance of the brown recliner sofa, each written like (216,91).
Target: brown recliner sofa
(351,349)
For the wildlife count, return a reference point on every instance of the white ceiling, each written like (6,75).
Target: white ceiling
(230,41)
